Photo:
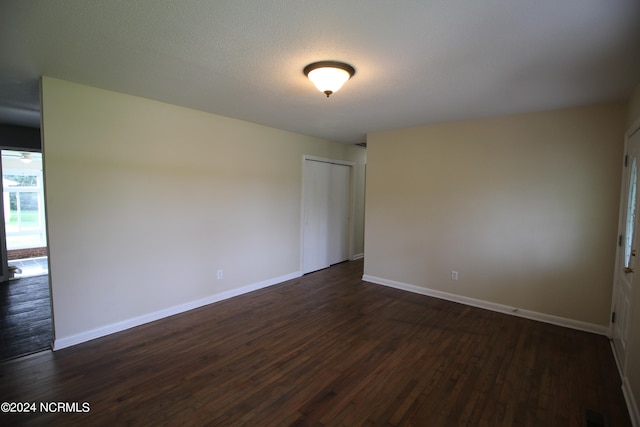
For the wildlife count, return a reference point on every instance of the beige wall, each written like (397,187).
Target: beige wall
(146,201)
(524,207)
(633,116)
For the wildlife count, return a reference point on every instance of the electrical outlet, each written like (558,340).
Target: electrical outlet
(220,274)
(454,275)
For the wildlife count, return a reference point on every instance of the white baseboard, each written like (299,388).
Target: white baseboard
(157,315)
(357,256)
(514,311)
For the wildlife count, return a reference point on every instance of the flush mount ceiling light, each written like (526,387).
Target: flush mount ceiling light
(329,76)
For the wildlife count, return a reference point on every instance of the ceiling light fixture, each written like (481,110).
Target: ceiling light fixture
(329,76)
(26,158)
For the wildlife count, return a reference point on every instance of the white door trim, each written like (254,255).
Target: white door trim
(4,264)
(326,160)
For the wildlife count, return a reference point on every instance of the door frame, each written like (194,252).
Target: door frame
(351,165)
(4,263)
(622,359)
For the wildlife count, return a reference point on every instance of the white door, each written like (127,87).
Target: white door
(627,260)
(315,216)
(339,197)
(326,201)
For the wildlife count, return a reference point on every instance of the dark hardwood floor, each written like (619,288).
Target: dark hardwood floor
(25,316)
(327,349)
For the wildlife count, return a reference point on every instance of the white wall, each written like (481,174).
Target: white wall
(524,207)
(146,201)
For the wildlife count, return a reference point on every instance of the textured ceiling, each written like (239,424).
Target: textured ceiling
(418,62)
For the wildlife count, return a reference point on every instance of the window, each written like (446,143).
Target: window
(23,199)
(631,214)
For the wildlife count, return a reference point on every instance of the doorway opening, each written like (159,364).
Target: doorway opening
(25,301)
(327,205)
(23,209)
(23,202)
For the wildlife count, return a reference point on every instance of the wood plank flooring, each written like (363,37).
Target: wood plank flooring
(327,350)
(25,316)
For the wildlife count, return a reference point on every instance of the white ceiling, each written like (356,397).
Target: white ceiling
(418,61)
